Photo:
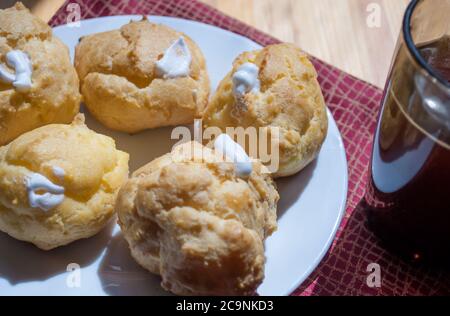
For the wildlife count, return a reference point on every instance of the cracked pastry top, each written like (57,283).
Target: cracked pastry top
(275,87)
(58,183)
(197,223)
(142,76)
(29,52)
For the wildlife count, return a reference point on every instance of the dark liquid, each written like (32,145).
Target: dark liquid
(408,197)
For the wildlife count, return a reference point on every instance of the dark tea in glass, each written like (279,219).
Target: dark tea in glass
(408,196)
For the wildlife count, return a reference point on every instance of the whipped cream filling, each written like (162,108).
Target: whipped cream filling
(226,146)
(21,63)
(53,194)
(245,80)
(59,172)
(176,61)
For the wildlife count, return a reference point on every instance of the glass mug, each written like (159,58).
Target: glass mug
(408,196)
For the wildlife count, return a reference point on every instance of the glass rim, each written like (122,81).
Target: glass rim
(413,48)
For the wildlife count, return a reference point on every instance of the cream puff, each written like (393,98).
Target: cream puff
(200,220)
(58,184)
(142,76)
(38,83)
(276,91)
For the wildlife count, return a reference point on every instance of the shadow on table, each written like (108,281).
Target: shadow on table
(344,270)
(121,275)
(291,188)
(25,262)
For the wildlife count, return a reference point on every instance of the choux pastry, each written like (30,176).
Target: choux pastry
(275,90)
(58,183)
(142,76)
(200,222)
(38,83)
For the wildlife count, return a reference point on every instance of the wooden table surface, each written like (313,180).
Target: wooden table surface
(357,36)
(336,31)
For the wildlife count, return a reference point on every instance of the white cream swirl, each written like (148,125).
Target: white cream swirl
(224,145)
(245,80)
(21,63)
(59,172)
(53,196)
(176,61)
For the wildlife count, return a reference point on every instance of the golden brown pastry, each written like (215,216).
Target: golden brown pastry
(142,76)
(38,84)
(197,223)
(58,183)
(275,88)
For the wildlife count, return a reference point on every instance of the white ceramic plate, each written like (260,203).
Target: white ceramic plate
(310,211)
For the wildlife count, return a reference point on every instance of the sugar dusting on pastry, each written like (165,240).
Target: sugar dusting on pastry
(176,61)
(245,80)
(53,196)
(224,145)
(21,63)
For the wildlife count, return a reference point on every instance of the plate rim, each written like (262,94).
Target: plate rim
(150,16)
(341,208)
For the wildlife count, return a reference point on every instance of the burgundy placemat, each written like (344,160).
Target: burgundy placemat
(354,105)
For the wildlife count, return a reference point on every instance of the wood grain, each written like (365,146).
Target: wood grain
(332,30)
(335,31)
